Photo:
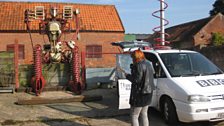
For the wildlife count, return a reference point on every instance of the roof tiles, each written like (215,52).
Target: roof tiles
(92,17)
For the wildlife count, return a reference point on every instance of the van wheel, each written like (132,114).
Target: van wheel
(169,111)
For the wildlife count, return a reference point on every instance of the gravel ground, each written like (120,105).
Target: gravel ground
(96,113)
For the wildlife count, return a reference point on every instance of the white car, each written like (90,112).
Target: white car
(189,87)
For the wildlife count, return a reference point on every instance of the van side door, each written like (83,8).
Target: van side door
(159,73)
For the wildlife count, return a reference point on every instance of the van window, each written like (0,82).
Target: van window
(123,61)
(188,64)
(159,72)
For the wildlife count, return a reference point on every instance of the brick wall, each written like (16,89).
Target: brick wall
(87,38)
(205,34)
(215,54)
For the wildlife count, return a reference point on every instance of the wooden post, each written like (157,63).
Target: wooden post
(16,63)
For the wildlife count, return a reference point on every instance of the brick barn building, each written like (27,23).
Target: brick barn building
(194,34)
(99,26)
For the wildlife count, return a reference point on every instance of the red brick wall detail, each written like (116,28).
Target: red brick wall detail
(88,38)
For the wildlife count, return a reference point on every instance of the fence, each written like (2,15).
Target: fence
(7,74)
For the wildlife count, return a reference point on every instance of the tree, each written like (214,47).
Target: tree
(218,7)
(218,39)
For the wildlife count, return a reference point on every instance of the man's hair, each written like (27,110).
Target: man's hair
(138,55)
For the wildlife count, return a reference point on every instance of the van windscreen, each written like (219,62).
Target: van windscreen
(188,64)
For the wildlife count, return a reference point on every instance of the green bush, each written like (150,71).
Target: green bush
(218,39)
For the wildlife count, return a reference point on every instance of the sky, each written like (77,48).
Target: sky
(136,15)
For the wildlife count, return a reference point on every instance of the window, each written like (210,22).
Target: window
(94,51)
(21,50)
(159,72)
(39,12)
(67,12)
(188,64)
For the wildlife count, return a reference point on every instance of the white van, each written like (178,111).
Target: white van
(189,87)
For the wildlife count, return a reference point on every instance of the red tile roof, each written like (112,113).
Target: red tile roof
(92,17)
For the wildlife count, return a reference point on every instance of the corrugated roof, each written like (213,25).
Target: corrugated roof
(92,17)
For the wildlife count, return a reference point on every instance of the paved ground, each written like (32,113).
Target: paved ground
(96,113)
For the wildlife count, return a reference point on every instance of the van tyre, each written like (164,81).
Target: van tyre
(169,111)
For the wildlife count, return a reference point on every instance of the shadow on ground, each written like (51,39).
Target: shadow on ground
(64,122)
(105,108)
(108,108)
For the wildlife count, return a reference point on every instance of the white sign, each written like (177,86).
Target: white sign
(124,87)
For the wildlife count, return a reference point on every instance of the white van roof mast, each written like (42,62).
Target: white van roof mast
(161,29)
